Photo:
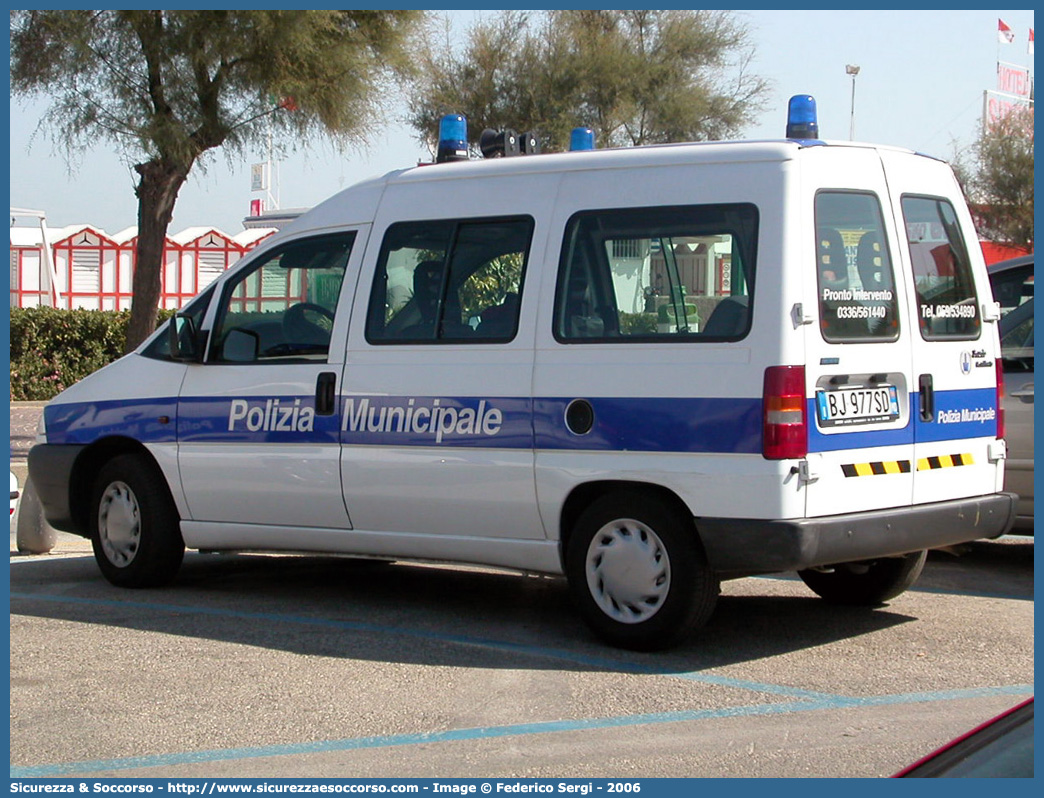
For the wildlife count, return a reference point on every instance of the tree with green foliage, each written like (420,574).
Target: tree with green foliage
(169,87)
(999,179)
(634,77)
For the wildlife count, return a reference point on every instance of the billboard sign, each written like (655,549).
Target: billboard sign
(1013,80)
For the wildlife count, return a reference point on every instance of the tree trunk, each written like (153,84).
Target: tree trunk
(157,192)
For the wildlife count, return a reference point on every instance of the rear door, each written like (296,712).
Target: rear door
(954,336)
(858,365)
(437,437)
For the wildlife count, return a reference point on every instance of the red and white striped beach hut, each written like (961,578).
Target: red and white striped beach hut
(253,237)
(86,260)
(95,270)
(30,284)
(202,254)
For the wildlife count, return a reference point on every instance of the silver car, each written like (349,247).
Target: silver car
(1012,282)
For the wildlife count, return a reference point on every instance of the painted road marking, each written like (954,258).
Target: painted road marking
(491,732)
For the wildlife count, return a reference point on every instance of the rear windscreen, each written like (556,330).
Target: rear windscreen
(947,305)
(856,287)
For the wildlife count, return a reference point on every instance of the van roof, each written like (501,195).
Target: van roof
(359,200)
(622,157)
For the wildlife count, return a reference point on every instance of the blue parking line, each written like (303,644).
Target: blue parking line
(492,732)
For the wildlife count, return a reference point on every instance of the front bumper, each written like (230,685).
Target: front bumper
(743,546)
(51,470)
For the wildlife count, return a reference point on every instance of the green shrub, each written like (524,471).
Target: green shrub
(637,323)
(51,349)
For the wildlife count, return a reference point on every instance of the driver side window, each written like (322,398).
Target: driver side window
(283,308)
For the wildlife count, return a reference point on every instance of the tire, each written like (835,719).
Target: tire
(868,583)
(135,527)
(637,572)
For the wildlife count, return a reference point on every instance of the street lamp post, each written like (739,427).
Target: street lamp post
(853,70)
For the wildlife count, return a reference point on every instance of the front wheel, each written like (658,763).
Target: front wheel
(135,528)
(637,572)
(867,583)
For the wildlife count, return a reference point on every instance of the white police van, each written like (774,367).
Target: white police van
(647,369)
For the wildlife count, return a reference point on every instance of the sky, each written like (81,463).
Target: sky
(920,85)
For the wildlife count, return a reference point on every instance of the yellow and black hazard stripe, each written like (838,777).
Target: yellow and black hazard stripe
(903,466)
(944,461)
(876,469)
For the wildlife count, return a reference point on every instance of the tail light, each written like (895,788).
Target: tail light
(1000,397)
(784,413)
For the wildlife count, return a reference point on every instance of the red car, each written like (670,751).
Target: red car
(999,748)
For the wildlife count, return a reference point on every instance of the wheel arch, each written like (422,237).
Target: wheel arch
(88,464)
(583,495)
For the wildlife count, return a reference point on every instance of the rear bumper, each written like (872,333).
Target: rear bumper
(50,469)
(736,546)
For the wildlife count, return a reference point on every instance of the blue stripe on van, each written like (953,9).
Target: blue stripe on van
(854,438)
(265,419)
(710,425)
(655,425)
(469,422)
(866,437)
(140,419)
(967,413)
(639,425)
(970,413)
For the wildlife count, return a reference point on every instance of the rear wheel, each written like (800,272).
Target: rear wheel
(867,583)
(135,528)
(637,572)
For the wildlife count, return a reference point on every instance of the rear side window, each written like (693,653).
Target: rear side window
(1012,287)
(856,287)
(1016,334)
(656,274)
(449,281)
(947,305)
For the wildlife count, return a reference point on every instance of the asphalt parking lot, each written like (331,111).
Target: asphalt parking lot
(308,667)
(265,666)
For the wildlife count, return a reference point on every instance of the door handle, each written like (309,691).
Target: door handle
(927,397)
(1025,392)
(325,394)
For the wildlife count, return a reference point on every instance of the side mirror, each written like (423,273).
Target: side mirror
(240,346)
(184,341)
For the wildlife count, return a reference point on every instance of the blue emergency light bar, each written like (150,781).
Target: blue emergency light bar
(453,139)
(801,117)
(582,138)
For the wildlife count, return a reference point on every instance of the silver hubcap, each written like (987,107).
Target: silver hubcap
(628,571)
(119,524)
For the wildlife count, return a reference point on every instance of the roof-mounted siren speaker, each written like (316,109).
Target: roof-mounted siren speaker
(530,143)
(499,143)
(453,139)
(801,117)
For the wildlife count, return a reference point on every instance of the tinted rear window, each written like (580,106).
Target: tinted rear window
(656,274)
(947,305)
(856,286)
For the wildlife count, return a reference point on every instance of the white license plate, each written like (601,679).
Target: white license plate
(857,405)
